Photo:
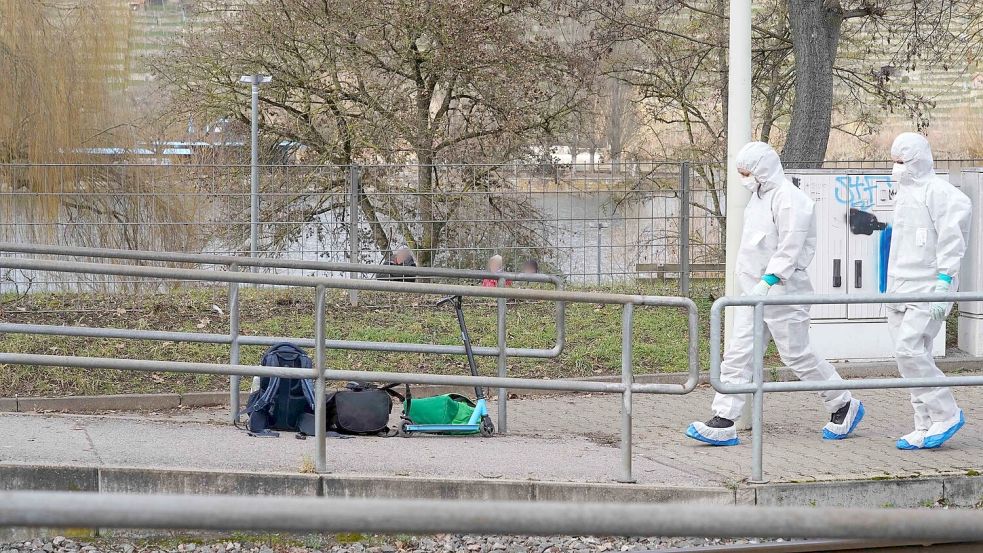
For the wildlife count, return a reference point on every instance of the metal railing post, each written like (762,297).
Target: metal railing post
(684,229)
(503,393)
(757,404)
(234,380)
(626,381)
(354,178)
(320,419)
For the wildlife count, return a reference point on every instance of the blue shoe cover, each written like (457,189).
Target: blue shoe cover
(840,431)
(726,438)
(912,440)
(950,427)
(903,444)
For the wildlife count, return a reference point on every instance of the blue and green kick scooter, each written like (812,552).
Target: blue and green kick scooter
(445,414)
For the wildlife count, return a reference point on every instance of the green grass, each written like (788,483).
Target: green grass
(593,344)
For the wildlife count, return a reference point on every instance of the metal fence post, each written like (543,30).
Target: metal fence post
(354,179)
(758,398)
(503,393)
(626,381)
(320,420)
(234,380)
(684,229)
(600,227)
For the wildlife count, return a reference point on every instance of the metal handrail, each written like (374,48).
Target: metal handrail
(272,263)
(501,351)
(758,387)
(320,372)
(437,516)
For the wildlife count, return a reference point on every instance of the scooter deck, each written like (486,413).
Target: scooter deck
(432,428)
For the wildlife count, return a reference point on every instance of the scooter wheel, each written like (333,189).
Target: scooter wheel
(402,432)
(487,428)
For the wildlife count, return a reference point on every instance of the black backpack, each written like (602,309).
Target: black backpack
(282,403)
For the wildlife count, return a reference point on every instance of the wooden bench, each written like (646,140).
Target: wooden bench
(697,271)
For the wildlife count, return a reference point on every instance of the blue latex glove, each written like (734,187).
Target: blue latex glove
(763,285)
(938,308)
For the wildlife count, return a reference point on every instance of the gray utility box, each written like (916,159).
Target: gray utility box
(854,212)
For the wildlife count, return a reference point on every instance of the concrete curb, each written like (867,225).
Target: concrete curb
(204,482)
(122,402)
(152,402)
(955,490)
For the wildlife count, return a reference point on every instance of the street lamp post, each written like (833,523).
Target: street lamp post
(738,134)
(254,81)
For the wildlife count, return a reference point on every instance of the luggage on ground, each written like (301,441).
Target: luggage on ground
(281,403)
(287,404)
(361,408)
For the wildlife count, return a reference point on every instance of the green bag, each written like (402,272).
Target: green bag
(445,409)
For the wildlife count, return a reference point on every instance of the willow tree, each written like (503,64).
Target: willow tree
(64,72)
(61,64)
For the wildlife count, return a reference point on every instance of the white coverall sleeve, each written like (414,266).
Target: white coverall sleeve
(952,217)
(794,223)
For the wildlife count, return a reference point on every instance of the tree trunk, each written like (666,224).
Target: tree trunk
(815,37)
(379,235)
(425,206)
(771,101)
(573,160)
(616,123)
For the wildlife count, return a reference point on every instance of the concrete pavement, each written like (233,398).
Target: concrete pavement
(563,439)
(793,448)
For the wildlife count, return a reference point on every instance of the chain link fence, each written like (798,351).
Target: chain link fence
(597,223)
(592,224)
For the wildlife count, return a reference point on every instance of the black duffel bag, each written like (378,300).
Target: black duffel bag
(361,408)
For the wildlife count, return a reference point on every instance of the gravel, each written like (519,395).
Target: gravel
(358,543)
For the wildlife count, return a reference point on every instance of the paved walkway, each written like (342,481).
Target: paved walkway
(570,438)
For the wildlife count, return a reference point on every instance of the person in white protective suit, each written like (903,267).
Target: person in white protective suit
(931,230)
(778,244)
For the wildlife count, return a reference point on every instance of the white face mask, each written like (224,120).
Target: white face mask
(900,173)
(750,182)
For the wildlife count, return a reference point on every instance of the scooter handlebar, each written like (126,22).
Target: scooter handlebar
(449,299)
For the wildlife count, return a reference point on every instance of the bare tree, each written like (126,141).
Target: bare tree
(930,32)
(803,51)
(622,122)
(364,81)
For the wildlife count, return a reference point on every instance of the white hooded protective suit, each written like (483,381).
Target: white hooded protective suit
(931,230)
(779,238)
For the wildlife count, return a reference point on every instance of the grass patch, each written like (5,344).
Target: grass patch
(593,346)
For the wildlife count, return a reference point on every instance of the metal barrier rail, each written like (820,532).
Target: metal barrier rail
(758,387)
(320,373)
(422,517)
(501,351)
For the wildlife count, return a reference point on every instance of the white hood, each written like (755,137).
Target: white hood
(762,161)
(914,150)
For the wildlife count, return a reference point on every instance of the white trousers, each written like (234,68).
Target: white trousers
(913,332)
(788,325)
